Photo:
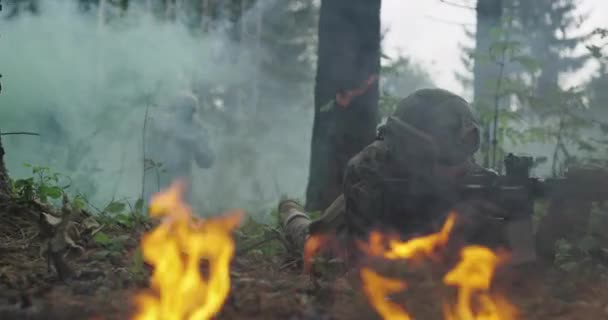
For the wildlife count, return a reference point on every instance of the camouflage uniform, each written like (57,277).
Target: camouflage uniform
(429,127)
(175,139)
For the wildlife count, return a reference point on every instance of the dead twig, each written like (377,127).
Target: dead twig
(289,264)
(19,133)
(143,156)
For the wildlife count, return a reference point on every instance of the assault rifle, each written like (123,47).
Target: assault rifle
(515,194)
(570,200)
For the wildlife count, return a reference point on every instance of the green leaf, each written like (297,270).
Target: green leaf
(53,192)
(139,205)
(40,169)
(125,220)
(101,254)
(115,207)
(79,202)
(328,106)
(102,239)
(21,183)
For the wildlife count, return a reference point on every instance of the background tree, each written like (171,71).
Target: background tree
(348,60)
(532,48)
(485,72)
(548,33)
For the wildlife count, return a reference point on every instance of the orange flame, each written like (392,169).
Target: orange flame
(418,247)
(472,276)
(377,288)
(311,248)
(175,249)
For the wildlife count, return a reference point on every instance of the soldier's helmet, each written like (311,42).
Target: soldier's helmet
(440,118)
(184,105)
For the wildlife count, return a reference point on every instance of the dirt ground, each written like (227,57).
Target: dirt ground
(103,283)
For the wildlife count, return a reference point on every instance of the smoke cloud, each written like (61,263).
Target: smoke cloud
(85,87)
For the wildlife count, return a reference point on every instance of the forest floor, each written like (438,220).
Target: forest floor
(107,273)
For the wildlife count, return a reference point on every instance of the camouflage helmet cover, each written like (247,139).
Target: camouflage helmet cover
(443,118)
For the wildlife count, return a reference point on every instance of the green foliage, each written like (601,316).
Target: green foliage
(111,244)
(532,107)
(115,207)
(43,186)
(123,213)
(587,255)
(102,239)
(137,266)
(269,236)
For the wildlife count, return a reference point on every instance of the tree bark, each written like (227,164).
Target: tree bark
(489,14)
(5,188)
(348,61)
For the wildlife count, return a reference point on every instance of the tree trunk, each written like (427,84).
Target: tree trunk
(205,14)
(4,180)
(489,14)
(348,62)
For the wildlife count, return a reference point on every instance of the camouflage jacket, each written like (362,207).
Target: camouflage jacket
(370,200)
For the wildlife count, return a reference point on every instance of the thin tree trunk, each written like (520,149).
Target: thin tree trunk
(178,10)
(205,15)
(170,10)
(489,15)
(4,180)
(255,99)
(242,90)
(348,57)
(101,18)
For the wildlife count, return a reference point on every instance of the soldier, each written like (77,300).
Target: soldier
(427,145)
(176,138)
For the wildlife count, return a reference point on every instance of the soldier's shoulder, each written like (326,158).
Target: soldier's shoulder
(368,163)
(370,157)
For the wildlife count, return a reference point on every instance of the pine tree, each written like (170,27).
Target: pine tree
(547,27)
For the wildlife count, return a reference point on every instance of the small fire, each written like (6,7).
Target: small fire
(312,247)
(176,249)
(472,277)
(377,288)
(415,248)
